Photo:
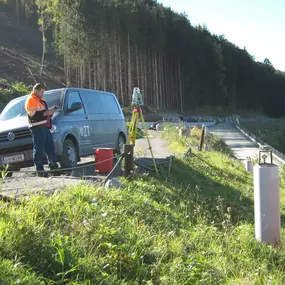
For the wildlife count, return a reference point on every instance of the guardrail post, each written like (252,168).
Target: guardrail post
(129,160)
(267,200)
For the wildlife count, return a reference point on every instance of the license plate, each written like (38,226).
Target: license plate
(13,159)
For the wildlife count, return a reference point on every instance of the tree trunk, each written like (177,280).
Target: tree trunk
(156,80)
(44,46)
(111,69)
(145,77)
(116,67)
(168,84)
(17,9)
(81,75)
(180,86)
(66,70)
(138,68)
(121,74)
(142,74)
(89,75)
(160,81)
(129,69)
(165,93)
(99,72)
(148,95)
(94,74)
(104,73)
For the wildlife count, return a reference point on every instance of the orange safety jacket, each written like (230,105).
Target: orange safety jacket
(36,108)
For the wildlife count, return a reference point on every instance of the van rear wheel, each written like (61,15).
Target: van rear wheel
(70,155)
(120,144)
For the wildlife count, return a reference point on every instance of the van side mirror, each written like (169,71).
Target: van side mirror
(75,107)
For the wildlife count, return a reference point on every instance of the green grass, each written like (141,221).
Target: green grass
(272,132)
(194,227)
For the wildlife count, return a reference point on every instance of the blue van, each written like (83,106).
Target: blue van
(85,120)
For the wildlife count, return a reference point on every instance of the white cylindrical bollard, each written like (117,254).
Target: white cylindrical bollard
(267,203)
(248,166)
(206,147)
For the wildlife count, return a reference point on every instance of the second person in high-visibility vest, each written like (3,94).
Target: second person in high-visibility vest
(39,117)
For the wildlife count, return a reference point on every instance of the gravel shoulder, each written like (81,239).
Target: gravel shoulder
(158,145)
(26,183)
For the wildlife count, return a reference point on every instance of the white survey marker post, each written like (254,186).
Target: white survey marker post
(267,201)
(248,165)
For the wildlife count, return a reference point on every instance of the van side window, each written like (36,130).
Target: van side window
(92,102)
(73,97)
(109,104)
(99,103)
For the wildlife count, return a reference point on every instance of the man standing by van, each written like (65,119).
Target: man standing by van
(39,117)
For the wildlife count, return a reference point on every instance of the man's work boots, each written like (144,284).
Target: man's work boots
(42,173)
(54,170)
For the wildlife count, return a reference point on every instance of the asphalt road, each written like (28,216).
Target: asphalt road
(240,144)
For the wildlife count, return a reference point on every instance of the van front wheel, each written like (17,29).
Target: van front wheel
(69,157)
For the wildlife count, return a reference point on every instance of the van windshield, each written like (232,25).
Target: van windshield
(16,107)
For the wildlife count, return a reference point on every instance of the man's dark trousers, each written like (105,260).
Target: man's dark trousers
(43,144)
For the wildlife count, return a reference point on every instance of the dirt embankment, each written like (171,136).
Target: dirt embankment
(20,54)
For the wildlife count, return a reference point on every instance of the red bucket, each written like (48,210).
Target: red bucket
(104,159)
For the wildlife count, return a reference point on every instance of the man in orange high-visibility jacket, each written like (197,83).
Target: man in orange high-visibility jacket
(40,123)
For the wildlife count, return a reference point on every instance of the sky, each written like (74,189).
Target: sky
(257,25)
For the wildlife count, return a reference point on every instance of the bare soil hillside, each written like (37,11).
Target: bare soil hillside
(20,55)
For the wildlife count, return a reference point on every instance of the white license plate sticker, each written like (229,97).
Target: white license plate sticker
(13,159)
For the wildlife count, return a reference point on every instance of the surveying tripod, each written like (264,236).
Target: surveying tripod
(137,114)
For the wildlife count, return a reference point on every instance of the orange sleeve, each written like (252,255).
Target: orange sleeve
(31,106)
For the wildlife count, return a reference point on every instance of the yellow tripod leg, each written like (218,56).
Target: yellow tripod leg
(133,128)
(144,125)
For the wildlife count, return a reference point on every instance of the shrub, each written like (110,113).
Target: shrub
(9,92)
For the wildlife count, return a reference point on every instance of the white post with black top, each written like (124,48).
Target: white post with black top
(267,200)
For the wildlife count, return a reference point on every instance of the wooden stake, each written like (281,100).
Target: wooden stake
(129,160)
(202,139)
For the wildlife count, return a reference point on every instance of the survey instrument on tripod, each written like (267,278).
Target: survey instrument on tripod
(137,102)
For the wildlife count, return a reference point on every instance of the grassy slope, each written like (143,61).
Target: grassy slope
(272,132)
(196,227)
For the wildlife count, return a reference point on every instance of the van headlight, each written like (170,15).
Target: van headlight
(54,129)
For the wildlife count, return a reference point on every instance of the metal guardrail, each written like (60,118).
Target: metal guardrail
(261,143)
